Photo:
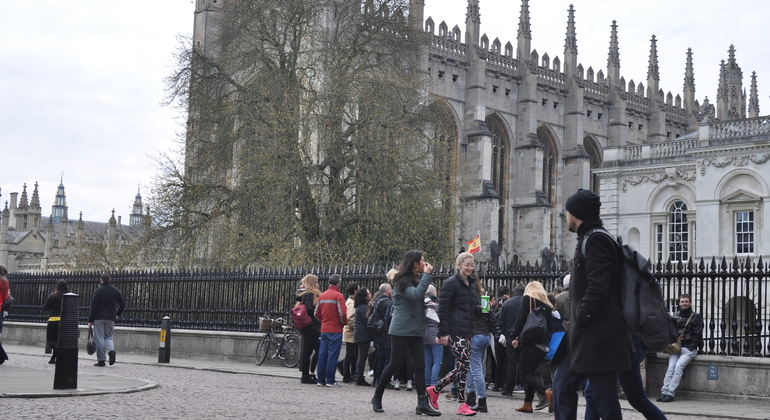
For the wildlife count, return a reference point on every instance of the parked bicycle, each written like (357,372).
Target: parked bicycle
(288,348)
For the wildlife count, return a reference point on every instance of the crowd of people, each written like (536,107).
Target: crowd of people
(460,341)
(417,337)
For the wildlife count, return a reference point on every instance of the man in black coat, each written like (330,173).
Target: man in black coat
(506,320)
(598,344)
(103,315)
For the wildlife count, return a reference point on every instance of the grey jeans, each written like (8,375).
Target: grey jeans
(103,330)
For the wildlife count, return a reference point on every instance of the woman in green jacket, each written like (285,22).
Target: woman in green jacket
(407,328)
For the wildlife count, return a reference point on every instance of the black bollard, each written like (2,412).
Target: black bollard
(66,375)
(164,346)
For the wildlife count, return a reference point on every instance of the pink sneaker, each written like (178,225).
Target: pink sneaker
(432,397)
(465,410)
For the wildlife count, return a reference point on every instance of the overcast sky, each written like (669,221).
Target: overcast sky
(81,82)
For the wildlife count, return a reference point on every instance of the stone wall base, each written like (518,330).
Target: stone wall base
(737,378)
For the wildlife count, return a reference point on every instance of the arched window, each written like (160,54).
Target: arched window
(499,163)
(444,130)
(549,165)
(678,232)
(593,150)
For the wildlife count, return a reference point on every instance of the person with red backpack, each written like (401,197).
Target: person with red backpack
(308,296)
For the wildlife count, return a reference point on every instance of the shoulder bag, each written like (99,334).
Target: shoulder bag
(536,325)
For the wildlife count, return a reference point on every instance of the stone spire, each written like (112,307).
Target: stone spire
(689,74)
(417,14)
(730,96)
(653,74)
(473,23)
(689,92)
(570,44)
(754,98)
(35,202)
(613,58)
(23,202)
(525,33)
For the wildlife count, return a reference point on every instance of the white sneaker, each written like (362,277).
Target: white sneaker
(371,373)
(397,385)
(409,385)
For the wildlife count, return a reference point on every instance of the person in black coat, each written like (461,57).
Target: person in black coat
(103,315)
(597,344)
(361,335)
(311,335)
(53,306)
(458,305)
(505,322)
(533,350)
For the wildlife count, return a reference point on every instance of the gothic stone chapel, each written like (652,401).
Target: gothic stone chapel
(530,130)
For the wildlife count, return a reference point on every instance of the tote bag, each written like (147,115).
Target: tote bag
(536,325)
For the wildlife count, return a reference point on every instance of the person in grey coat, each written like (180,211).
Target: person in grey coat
(407,328)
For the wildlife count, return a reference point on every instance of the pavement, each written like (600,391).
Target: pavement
(26,382)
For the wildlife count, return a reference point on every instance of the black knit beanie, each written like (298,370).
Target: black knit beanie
(584,204)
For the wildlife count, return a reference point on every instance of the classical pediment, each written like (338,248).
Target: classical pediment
(740,196)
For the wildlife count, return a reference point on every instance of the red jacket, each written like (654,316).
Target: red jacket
(331,310)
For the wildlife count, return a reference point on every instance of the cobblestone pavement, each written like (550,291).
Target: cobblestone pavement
(203,394)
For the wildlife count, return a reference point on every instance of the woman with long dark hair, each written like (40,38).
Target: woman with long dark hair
(407,328)
(311,335)
(533,351)
(53,306)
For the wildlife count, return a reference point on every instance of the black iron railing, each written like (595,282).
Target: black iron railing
(731,297)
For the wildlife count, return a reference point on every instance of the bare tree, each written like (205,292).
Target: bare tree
(311,138)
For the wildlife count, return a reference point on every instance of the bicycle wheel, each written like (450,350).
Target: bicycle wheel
(291,351)
(263,347)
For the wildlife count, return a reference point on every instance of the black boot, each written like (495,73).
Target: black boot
(362,382)
(470,399)
(377,403)
(481,406)
(423,407)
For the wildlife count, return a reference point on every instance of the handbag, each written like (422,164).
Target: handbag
(536,325)
(674,348)
(90,343)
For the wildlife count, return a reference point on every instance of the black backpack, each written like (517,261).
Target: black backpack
(375,324)
(643,307)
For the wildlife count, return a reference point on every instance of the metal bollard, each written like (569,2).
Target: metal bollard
(66,375)
(164,346)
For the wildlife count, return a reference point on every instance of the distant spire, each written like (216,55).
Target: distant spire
(35,202)
(689,74)
(473,22)
(652,68)
(524,38)
(731,54)
(613,58)
(570,44)
(525,31)
(754,97)
(23,202)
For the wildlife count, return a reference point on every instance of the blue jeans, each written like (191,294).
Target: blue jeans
(676,364)
(433,355)
(631,382)
(476,382)
(328,353)
(103,330)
